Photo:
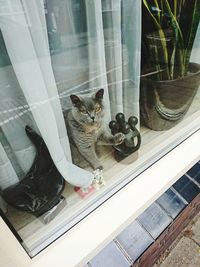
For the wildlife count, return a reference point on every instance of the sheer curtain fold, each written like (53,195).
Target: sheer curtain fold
(96,50)
(3,206)
(8,175)
(111,14)
(195,55)
(108,56)
(131,34)
(114,39)
(13,128)
(38,31)
(13,108)
(36,79)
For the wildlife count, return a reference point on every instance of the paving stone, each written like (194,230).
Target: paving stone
(110,256)
(185,254)
(186,188)
(196,231)
(154,219)
(134,240)
(194,172)
(171,203)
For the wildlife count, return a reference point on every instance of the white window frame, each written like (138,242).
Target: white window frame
(77,246)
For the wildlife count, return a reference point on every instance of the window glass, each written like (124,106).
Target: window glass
(91,93)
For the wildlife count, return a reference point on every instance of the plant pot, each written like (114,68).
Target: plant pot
(164,103)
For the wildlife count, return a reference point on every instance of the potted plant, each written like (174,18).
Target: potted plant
(168,81)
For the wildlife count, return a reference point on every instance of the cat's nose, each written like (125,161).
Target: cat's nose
(93,118)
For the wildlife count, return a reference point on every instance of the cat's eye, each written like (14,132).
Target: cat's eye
(83,110)
(97,109)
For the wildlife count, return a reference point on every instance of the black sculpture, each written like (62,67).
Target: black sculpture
(132,139)
(41,188)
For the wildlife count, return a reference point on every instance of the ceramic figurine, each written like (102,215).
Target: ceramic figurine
(132,139)
(40,190)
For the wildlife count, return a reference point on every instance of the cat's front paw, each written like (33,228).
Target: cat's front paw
(119,138)
(97,167)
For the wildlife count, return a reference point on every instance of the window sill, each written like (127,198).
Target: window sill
(89,236)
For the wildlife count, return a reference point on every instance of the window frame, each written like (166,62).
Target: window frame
(83,241)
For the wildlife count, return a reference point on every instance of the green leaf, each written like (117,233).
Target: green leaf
(162,38)
(171,43)
(178,43)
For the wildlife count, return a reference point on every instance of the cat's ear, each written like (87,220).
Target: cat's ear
(99,94)
(75,100)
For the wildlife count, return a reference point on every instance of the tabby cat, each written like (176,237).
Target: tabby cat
(86,127)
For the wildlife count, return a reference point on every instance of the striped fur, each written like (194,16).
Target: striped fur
(86,127)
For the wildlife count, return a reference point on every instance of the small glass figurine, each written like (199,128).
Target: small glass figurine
(98,178)
(132,139)
(98,182)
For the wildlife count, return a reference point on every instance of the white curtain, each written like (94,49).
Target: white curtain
(131,25)
(3,206)
(114,40)
(195,55)
(94,44)
(96,47)
(24,31)
(105,53)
